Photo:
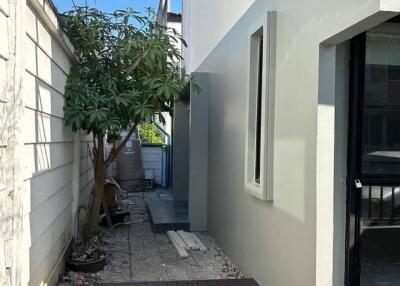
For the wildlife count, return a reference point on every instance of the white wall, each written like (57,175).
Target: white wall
(86,179)
(5,176)
(40,149)
(205,23)
(297,239)
(154,158)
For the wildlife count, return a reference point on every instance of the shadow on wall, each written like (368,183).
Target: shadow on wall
(48,172)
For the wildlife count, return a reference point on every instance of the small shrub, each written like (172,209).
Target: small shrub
(149,133)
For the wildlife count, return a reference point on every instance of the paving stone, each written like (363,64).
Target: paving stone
(135,253)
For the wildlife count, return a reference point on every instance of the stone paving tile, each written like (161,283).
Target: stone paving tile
(137,254)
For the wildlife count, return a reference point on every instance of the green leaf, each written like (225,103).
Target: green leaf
(122,75)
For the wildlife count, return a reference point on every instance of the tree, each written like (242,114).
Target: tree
(124,76)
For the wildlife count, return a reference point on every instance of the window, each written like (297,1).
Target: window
(260,109)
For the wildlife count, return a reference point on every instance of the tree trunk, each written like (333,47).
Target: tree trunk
(100,170)
(100,176)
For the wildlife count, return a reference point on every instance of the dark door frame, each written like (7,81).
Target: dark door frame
(357,75)
(354,155)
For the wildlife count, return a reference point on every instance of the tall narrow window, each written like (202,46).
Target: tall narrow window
(260,108)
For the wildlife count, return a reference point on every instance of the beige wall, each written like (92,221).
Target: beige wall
(298,238)
(40,149)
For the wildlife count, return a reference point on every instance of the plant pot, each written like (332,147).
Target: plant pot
(88,266)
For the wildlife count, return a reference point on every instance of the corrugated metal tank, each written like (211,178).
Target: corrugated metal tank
(130,166)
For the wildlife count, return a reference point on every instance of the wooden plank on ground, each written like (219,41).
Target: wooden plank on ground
(198,242)
(178,239)
(178,243)
(188,239)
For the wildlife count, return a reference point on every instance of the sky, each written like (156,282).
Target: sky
(112,5)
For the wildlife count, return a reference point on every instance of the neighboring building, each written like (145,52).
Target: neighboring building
(299,103)
(178,123)
(45,170)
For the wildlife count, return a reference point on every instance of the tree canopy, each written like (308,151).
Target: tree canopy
(125,72)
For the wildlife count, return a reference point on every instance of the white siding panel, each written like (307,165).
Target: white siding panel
(85,192)
(50,101)
(29,90)
(47,184)
(86,164)
(4,6)
(3,72)
(44,200)
(44,215)
(31,25)
(2,169)
(29,124)
(40,127)
(4,40)
(3,123)
(60,57)
(86,178)
(59,78)
(152,159)
(31,56)
(42,97)
(44,67)
(50,13)
(85,149)
(49,247)
(45,157)
(44,39)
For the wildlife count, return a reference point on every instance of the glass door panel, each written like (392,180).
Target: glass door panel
(379,227)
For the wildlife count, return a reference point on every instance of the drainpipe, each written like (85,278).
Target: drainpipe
(169,161)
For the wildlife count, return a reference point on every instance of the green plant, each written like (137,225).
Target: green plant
(149,133)
(124,76)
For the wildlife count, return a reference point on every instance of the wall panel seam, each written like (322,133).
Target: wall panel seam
(50,57)
(45,83)
(4,12)
(34,243)
(43,112)
(49,142)
(86,171)
(38,174)
(3,58)
(52,195)
(84,157)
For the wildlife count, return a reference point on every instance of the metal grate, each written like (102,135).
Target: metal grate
(380,205)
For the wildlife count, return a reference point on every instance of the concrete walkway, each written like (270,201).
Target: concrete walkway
(137,254)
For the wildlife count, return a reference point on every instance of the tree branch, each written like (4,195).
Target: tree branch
(115,151)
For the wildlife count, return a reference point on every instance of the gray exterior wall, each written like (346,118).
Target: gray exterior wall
(180,153)
(298,238)
(198,154)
